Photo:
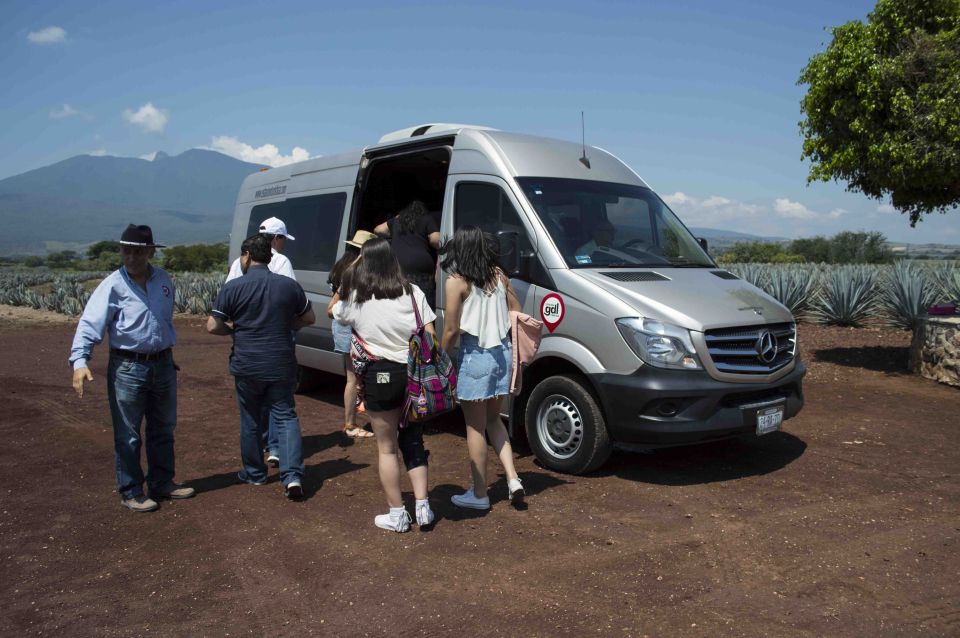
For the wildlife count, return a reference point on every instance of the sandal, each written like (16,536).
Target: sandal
(356,431)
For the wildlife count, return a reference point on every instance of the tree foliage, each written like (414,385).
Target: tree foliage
(882,111)
(843,248)
(195,258)
(758,252)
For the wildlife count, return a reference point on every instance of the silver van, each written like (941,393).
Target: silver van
(647,343)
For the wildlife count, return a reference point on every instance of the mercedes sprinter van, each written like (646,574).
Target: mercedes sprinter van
(646,342)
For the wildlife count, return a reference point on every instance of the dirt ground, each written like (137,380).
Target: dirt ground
(844,524)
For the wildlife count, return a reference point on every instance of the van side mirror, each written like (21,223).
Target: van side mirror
(703,244)
(508,245)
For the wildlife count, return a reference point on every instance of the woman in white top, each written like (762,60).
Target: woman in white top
(378,305)
(477,298)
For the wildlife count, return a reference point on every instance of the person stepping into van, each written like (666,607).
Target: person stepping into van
(275,232)
(415,239)
(342,333)
(378,305)
(264,310)
(478,297)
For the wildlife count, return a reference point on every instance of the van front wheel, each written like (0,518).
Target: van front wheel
(565,427)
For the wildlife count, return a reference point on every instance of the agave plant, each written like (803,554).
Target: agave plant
(908,292)
(947,279)
(848,296)
(755,274)
(791,286)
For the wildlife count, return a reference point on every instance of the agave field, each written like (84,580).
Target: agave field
(67,293)
(895,295)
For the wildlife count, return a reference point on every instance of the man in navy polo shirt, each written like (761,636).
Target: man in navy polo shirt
(262,310)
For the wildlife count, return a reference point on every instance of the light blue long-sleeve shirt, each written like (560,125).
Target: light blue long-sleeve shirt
(137,320)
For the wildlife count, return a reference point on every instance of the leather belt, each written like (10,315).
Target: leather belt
(140,356)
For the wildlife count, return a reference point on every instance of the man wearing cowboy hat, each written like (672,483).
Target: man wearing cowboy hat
(134,306)
(276,231)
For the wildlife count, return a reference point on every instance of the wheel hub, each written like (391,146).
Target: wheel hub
(560,426)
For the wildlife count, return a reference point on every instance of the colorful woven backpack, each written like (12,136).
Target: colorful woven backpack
(431,376)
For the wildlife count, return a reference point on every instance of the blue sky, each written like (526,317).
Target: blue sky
(700,98)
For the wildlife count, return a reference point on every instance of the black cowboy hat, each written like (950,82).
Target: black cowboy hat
(139,236)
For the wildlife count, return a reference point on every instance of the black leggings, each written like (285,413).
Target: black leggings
(410,441)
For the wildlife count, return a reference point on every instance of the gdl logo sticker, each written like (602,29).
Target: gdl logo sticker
(551,310)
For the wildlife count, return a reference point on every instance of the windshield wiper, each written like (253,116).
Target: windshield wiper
(690,265)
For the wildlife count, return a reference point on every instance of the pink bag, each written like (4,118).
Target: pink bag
(525,335)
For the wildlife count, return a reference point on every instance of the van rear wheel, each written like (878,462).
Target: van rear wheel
(565,426)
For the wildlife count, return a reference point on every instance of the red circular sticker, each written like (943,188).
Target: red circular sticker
(551,310)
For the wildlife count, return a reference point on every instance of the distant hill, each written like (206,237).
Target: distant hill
(732,235)
(187,198)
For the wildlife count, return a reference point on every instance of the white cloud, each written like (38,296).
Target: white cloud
(100,152)
(267,154)
(793,210)
(714,211)
(149,156)
(64,111)
(886,208)
(837,213)
(149,117)
(50,35)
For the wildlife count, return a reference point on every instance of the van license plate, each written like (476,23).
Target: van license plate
(769,420)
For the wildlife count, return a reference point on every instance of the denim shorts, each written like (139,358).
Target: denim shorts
(483,373)
(341,337)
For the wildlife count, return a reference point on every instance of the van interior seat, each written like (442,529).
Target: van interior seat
(572,233)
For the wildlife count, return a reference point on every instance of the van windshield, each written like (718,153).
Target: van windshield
(602,224)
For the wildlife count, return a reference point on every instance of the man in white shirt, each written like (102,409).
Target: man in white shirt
(602,242)
(276,232)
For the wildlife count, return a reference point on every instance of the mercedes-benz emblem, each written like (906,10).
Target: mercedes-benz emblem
(766,346)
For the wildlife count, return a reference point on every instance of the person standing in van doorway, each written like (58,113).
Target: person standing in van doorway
(134,306)
(378,305)
(275,232)
(342,334)
(478,297)
(415,239)
(264,309)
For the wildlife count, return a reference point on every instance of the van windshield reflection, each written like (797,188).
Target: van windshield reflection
(608,225)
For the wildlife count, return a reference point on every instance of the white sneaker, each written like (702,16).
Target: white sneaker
(398,520)
(425,515)
(515,490)
(273,460)
(469,500)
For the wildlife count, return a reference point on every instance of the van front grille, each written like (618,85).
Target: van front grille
(752,349)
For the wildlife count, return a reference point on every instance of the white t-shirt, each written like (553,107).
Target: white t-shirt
(385,325)
(278,264)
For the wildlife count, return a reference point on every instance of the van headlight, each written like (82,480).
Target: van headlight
(659,344)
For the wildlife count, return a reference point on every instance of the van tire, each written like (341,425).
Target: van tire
(565,426)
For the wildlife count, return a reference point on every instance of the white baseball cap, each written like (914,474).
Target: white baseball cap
(274,226)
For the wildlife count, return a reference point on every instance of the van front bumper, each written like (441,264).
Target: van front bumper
(656,407)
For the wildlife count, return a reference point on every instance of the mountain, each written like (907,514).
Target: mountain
(187,198)
(716,233)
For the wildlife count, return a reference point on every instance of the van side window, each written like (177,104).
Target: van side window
(487,206)
(314,221)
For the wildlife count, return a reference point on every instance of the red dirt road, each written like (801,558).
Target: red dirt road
(844,524)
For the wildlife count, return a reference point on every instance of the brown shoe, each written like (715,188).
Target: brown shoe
(173,491)
(139,504)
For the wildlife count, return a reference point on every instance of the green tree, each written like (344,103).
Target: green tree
(108,247)
(882,111)
(813,249)
(859,248)
(758,252)
(62,259)
(195,258)
(33,261)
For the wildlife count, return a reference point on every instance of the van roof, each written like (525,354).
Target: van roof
(525,155)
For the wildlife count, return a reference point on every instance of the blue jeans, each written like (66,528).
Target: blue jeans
(262,404)
(138,390)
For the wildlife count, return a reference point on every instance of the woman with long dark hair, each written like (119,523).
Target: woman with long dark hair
(478,297)
(415,238)
(342,334)
(378,305)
